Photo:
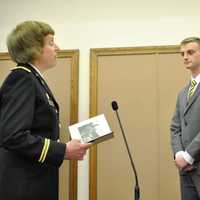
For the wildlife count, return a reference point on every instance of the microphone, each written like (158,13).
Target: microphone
(137,189)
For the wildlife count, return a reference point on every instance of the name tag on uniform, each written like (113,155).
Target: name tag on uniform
(50,101)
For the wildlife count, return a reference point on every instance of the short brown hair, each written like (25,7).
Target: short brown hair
(26,41)
(191,39)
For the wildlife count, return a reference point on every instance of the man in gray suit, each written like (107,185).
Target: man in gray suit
(185,125)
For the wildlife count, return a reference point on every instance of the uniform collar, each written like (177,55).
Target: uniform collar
(36,69)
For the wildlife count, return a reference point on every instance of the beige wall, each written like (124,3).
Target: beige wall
(145,83)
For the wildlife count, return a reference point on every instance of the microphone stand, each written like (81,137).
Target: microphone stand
(137,189)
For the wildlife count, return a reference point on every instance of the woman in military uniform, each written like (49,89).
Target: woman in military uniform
(30,154)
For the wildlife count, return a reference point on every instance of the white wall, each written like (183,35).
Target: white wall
(85,24)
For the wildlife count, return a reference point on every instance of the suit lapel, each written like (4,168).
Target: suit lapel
(185,97)
(43,83)
(192,99)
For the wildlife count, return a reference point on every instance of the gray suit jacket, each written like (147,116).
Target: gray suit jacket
(185,125)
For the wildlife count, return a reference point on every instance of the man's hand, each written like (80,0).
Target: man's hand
(189,168)
(75,150)
(182,164)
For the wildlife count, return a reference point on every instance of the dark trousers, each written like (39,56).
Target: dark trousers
(190,185)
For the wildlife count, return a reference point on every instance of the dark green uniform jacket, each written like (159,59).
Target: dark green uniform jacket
(29,129)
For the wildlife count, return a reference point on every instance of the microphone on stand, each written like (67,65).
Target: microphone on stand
(137,189)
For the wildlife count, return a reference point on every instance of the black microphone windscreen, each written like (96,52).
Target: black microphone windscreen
(114,105)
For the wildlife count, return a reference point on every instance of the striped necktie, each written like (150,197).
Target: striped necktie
(191,89)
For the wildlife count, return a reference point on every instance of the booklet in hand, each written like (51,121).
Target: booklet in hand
(95,130)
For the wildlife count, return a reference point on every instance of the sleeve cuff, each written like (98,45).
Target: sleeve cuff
(188,157)
(55,154)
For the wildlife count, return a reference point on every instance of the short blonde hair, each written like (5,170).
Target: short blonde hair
(26,41)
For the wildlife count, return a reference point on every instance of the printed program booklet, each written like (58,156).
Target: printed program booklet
(95,130)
